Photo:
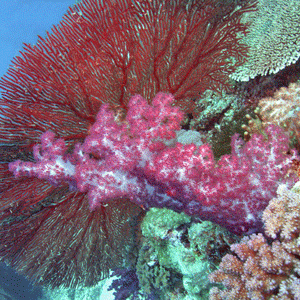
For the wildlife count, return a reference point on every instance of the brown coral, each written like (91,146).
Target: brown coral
(261,270)
(283,109)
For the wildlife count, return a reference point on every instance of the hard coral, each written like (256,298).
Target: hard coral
(177,254)
(258,269)
(282,218)
(274,38)
(283,109)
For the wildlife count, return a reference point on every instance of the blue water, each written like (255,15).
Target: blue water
(21,21)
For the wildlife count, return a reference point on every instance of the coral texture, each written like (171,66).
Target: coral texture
(47,226)
(218,117)
(102,51)
(283,109)
(274,38)
(282,218)
(177,254)
(258,269)
(129,159)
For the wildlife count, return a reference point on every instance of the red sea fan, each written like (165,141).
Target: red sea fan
(101,52)
(50,234)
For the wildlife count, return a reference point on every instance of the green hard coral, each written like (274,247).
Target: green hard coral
(158,222)
(177,254)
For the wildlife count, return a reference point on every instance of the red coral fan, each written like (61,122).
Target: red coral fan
(102,51)
(259,270)
(51,235)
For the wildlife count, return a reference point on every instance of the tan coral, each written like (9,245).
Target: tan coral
(283,109)
(282,217)
(258,269)
(255,272)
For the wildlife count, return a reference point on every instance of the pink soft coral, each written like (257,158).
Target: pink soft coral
(132,159)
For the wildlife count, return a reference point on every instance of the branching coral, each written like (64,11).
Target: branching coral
(283,109)
(262,270)
(282,218)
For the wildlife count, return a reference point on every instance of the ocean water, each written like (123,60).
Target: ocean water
(21,21)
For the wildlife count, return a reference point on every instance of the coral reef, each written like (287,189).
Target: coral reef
(101,52)
(261,268)
(105,177)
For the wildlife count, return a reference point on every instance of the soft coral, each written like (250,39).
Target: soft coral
(133,160)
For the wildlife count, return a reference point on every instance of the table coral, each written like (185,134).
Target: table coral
(273,38)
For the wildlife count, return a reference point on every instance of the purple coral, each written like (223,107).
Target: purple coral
(127,284)
(133,159)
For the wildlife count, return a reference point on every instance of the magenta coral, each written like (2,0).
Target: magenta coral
(131,159)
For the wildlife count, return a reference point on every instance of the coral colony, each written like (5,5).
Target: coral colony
(118,153)
(130,159)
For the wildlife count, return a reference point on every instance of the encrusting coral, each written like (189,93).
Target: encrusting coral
(259,269)
(177,254)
